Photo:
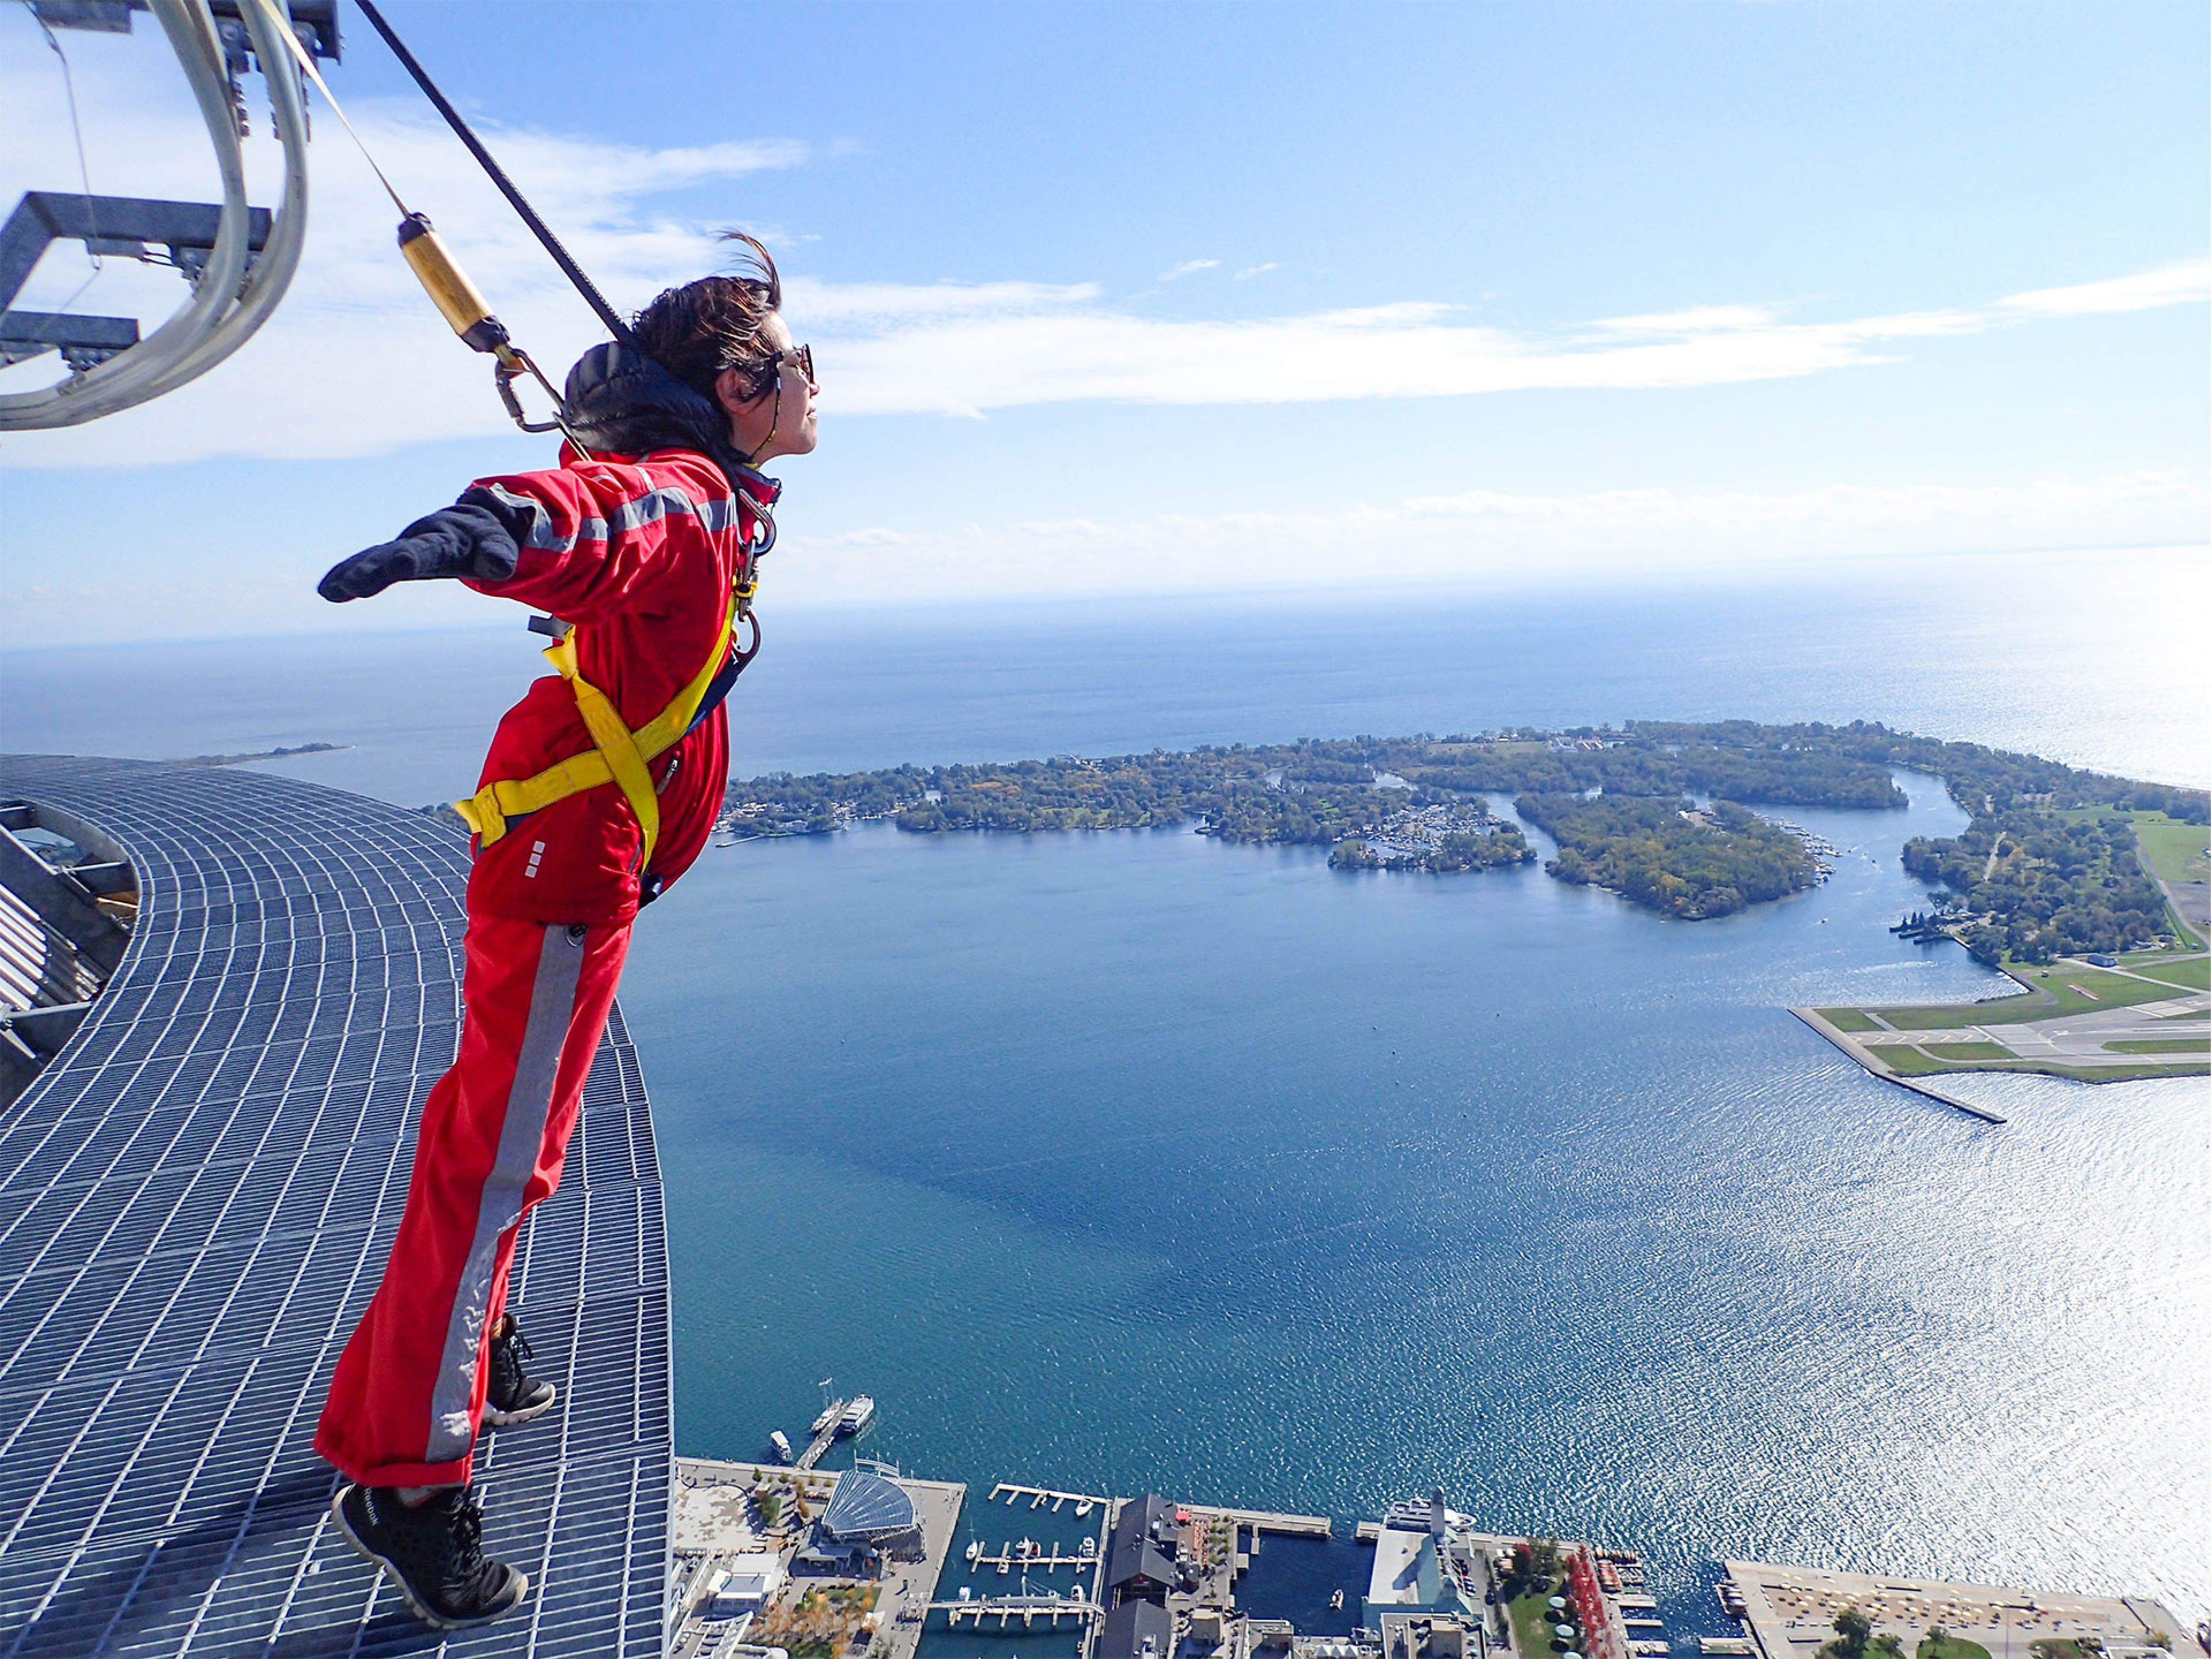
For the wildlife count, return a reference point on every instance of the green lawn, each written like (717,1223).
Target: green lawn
(1909,1062)
(1951,1647)
(2177,851)
(1913,1062)
(1532,1622)
(2190,972)
(2111,991)
(1970,1051)
(1849,1019)
(2161,1046)
(2135,1072)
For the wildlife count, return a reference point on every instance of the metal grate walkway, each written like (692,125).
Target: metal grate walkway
(195,1200)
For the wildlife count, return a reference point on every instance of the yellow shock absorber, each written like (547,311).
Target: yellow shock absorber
(449,285)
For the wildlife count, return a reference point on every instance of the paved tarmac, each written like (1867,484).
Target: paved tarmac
(2077,1039)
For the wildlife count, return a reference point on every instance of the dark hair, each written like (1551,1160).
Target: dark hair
(698,331)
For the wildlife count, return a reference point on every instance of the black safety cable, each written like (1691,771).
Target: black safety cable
(574,272)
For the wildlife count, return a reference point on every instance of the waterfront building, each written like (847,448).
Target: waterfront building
(743,1584)
(1138,1630)
(1410,1573)
(869,1517)
(1431,1636)
(1140,1556)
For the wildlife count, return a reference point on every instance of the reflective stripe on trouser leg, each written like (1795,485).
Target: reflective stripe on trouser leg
(377,1421)
(521,1135)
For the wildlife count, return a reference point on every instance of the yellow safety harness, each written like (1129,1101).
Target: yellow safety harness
(618,755)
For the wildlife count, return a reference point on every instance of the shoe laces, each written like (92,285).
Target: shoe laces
(507,1353)
(467,1565)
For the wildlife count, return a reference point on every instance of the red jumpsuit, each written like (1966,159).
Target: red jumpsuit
(640,556)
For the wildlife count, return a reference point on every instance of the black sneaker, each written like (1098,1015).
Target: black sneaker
(511,1395)
(433,1551)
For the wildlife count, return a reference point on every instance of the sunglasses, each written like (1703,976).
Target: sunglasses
(799,357)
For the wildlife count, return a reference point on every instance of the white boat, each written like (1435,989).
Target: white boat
(1083,1508)
(781,1441)
(974,1549)
(829,1416)
(857,1415)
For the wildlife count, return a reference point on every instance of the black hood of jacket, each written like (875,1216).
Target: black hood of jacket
(620,402)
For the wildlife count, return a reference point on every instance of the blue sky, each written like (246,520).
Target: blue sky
(1114,299)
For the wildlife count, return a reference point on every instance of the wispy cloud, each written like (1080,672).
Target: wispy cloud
(2181,283)
(1250,272)
(1414,349)
(1187,268)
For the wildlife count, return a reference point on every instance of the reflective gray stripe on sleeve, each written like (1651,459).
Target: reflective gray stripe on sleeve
(718,514)
(542,536)
(521,1133)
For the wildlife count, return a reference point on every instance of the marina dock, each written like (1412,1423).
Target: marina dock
(1085,1501)
(1027,1608)
(1009,1558)
(1296,1526)
(825,1437)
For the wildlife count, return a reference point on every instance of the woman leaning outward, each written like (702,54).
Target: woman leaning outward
(601,788)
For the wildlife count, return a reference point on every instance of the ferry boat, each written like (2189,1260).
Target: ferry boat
(857,1415)
(781,1441)
(1415,1513)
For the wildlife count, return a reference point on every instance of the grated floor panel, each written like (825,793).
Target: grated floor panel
(195,1200)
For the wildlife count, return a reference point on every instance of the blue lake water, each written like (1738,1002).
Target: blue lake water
(1130,1160)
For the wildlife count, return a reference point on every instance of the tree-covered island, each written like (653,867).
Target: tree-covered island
(1657,811)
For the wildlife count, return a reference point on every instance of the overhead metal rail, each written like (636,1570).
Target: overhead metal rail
(236,282)
(126,227)
(66,894)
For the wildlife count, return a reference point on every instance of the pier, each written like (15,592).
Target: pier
(1009,1558)
(1006,1609)
(824,1441)
(1085,1501)
(1295,1526)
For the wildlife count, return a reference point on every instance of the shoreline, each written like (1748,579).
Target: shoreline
(1844,1041)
